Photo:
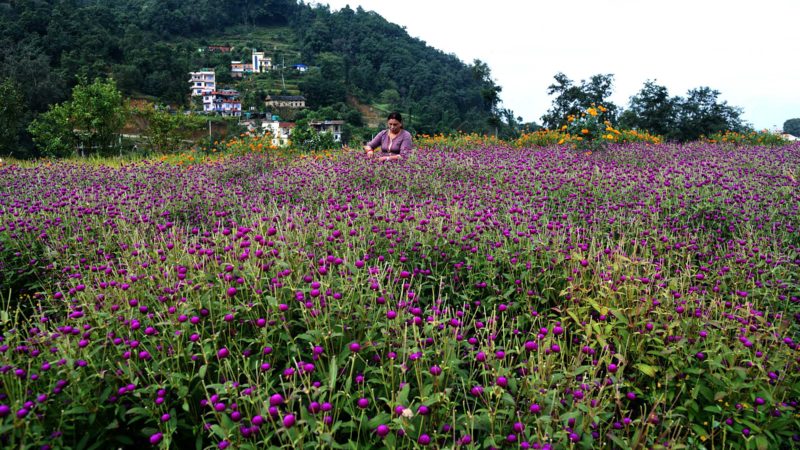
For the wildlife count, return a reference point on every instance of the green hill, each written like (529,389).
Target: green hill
(150,46)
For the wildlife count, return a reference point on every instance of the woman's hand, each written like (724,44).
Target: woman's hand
(369,151)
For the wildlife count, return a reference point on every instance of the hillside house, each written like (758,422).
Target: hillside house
(300,67)
(225,102)
(258,64)
(285,101)
(202,81)
(333,127)
(281,131)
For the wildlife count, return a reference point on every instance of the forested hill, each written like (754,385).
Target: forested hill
(149,46)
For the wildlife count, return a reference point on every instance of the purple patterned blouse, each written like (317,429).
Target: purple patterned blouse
(400,143)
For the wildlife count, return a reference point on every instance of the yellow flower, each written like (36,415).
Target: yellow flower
(584,131)
(592,112)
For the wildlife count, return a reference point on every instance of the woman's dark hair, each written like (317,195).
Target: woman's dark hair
(396,116)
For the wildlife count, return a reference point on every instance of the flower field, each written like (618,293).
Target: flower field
(642,296)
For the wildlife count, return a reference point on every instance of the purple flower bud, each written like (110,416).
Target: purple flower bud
(156,438)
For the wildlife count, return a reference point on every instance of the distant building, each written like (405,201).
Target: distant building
(202,81)
(261,63)
(285,101)
(333,127)
(281,131)
(300,67)
(238,69)
(225,102)
(258,64)
(219,48)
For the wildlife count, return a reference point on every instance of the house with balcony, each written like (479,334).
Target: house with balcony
(334,127)
(225,102)
(202,81)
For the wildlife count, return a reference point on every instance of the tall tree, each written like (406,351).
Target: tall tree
(90,120)
(652,110)
(701,114)
(572,99)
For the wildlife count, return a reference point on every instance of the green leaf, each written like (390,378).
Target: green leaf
(647,369)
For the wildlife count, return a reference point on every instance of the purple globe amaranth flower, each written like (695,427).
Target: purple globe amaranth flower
(355,347)
(276,400)
(435,371)
(156,438)
(382,430)
(223,353)
(424,439)
(289,421)
(363,403)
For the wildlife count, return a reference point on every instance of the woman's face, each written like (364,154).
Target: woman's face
(394,125)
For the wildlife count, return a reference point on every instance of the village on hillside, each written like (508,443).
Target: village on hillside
(217,100)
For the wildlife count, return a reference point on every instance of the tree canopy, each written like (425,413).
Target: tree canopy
(792,126)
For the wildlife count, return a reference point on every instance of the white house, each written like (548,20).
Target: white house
(261,63)
(225,102)
(280,131)
(789,137)
(202,81)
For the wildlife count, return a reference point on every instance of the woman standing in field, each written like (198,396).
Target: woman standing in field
(393,140)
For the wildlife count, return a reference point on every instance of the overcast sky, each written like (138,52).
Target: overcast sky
(747,50)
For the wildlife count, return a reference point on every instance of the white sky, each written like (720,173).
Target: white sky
(747,50)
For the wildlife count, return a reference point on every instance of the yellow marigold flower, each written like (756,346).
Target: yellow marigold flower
(563,127)
(592,112)
(602,109)
(584,131)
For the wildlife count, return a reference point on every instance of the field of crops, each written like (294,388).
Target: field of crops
(642,296)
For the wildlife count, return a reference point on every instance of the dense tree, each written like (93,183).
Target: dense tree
(11,116)
(572,99)
(166,132)
(90,121)
(792,126)
(701,114)
(652,110)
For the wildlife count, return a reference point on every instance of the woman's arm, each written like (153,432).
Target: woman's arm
(375,142)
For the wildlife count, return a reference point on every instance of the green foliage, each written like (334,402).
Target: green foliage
(53,132)
(11,115)
(167,132)
(90,120)
(792,126)
(681,119)
(571,99)
(652,109)
(701,114)
(305,138)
